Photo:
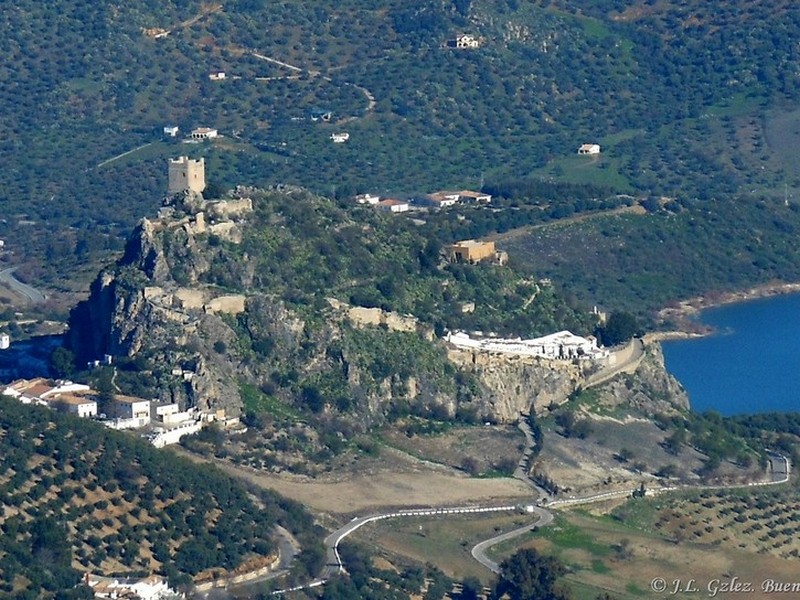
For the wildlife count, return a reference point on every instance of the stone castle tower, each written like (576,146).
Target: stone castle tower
(186,174)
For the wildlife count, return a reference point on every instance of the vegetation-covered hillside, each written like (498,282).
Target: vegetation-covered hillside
(340,323)
(677,94)
(643,263)
(77,497)
(305,248)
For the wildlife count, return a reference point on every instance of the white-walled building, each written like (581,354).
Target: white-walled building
(171,130)
(80,406)
(340,138)
(64,386)
(464,41)
(370,199)
(441,199)
(391,205)
(130,407)
(589,149)
(30,391)
(164,410)
(470,196)
(148,588)
(204,133)
(178,418)
(161,437)
(5,341)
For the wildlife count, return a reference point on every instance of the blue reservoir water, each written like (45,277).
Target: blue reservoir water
(752,365)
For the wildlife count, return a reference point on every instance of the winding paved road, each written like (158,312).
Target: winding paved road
(23,289)
(627,361)
(333,540)
(780,473)
(479,551)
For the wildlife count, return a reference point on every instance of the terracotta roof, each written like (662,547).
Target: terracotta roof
(72,399)
(471,194)
(129,399)
(38,390)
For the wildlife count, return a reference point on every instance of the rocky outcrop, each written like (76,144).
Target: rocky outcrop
(144,252)
(515,384)
(195,308)
(139,308)
(649,390)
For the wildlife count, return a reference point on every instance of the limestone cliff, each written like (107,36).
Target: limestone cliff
(136,308)
(514,384)
(650,390)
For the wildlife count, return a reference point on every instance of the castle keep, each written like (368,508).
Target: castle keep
(186,174)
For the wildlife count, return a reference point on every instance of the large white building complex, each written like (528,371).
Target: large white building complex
(562,345)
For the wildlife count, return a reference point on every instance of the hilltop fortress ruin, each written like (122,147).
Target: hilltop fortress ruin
(187,174)
(185,206)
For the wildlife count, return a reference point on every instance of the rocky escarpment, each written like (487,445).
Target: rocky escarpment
(194,300)
(650,390)
(514,384)
(511,385)
(142,307)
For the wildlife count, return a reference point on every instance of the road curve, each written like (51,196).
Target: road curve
(479,551)
(629,359)
(333,540)
(32,294)
(334,564)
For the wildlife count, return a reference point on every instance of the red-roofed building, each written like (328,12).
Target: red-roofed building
(392,205)
(81,406)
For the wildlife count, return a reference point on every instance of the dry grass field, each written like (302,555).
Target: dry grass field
(593,464)
(444,542)
(485,445)
(380,489)
(407,472)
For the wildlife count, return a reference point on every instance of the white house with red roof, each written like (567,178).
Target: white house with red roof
(393,205)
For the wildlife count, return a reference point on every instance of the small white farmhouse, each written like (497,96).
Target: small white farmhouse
(589,149)
(204,133)
(392,205)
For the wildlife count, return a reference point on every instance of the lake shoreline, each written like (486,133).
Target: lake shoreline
(681,321)
(750,364)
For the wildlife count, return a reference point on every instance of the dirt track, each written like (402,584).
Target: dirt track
(525,230)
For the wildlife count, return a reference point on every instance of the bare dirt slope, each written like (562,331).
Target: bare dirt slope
(362,494)
(395,481)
